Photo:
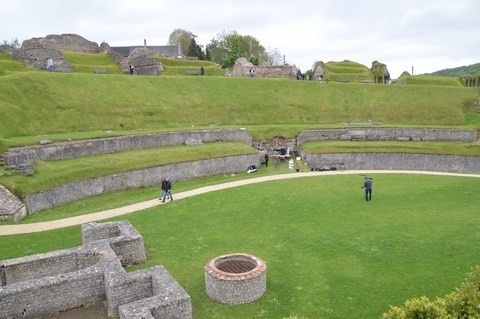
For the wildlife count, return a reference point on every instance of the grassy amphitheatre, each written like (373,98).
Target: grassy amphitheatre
(329,254)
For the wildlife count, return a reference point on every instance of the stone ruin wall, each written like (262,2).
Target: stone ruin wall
(49,283)
(392,161)
(182,171)
(136,179)
(395,161)
(242,68)
(21,159)
(387,134)
(75,149)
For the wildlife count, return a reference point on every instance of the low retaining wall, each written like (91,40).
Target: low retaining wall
(11,208)
(75,149)
(136,179)
(386,134)
(396,161)
(45,284)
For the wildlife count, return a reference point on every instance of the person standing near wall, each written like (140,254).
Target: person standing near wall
(266,159)
(50,65)
(202,71)
(367,185)
(167,189)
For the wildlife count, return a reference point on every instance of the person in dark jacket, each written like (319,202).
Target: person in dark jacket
(367,184)
(167,189)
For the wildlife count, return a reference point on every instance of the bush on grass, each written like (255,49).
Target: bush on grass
(464,302)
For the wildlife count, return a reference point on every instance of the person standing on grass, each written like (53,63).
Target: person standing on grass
(50,65)
(167,189)
(266,159)
(367,184)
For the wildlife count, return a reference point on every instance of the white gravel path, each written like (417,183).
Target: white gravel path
(77,220)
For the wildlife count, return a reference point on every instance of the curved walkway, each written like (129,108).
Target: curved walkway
(77,220)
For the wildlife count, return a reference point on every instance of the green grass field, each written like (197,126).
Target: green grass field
(88,63)
(54,103)
(329,253)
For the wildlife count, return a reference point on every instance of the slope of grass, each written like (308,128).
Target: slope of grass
(8,65)
(448,148)
(49,174)
(189,67)
(53,103)
(431,80)
(87,63)
(346,71)
(329,253)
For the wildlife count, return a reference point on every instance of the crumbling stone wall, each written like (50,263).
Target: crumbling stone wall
(45,284)
(242,68)
(136,179)
(11,208)
(36,51)
(396,161)
(144,62)
(387,134)
(75,149)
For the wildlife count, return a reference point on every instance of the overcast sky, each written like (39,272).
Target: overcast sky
(429,35)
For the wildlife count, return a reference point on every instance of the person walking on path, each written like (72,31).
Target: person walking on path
(367,184)
(167,189)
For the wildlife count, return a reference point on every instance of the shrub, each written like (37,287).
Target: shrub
(462,303)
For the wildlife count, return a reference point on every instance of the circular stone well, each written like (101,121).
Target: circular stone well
(235,279)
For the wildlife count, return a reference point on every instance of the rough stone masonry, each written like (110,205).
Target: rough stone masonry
(45,284)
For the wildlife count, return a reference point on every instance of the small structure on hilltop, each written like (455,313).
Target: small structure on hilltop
(36,52)
(349,71)
(144,62)
(242,67)
(380,72)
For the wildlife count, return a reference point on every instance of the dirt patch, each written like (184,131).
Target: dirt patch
(90,312)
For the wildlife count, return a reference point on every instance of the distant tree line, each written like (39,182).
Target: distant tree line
(473,70)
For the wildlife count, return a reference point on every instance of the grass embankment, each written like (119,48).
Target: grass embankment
(88,63)
(189,67)
(346,71)
(432,80)
(329,253)
(49,174)
(445,148)
(53,103)
(9,65)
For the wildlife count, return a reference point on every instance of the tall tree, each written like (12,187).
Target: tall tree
(195,49)
(227,47)
(182,37)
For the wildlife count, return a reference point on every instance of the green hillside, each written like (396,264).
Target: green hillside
(346,71)
(57,103)
(473,70)
(88,63)
(8,65)
(189,67)
(431,80)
